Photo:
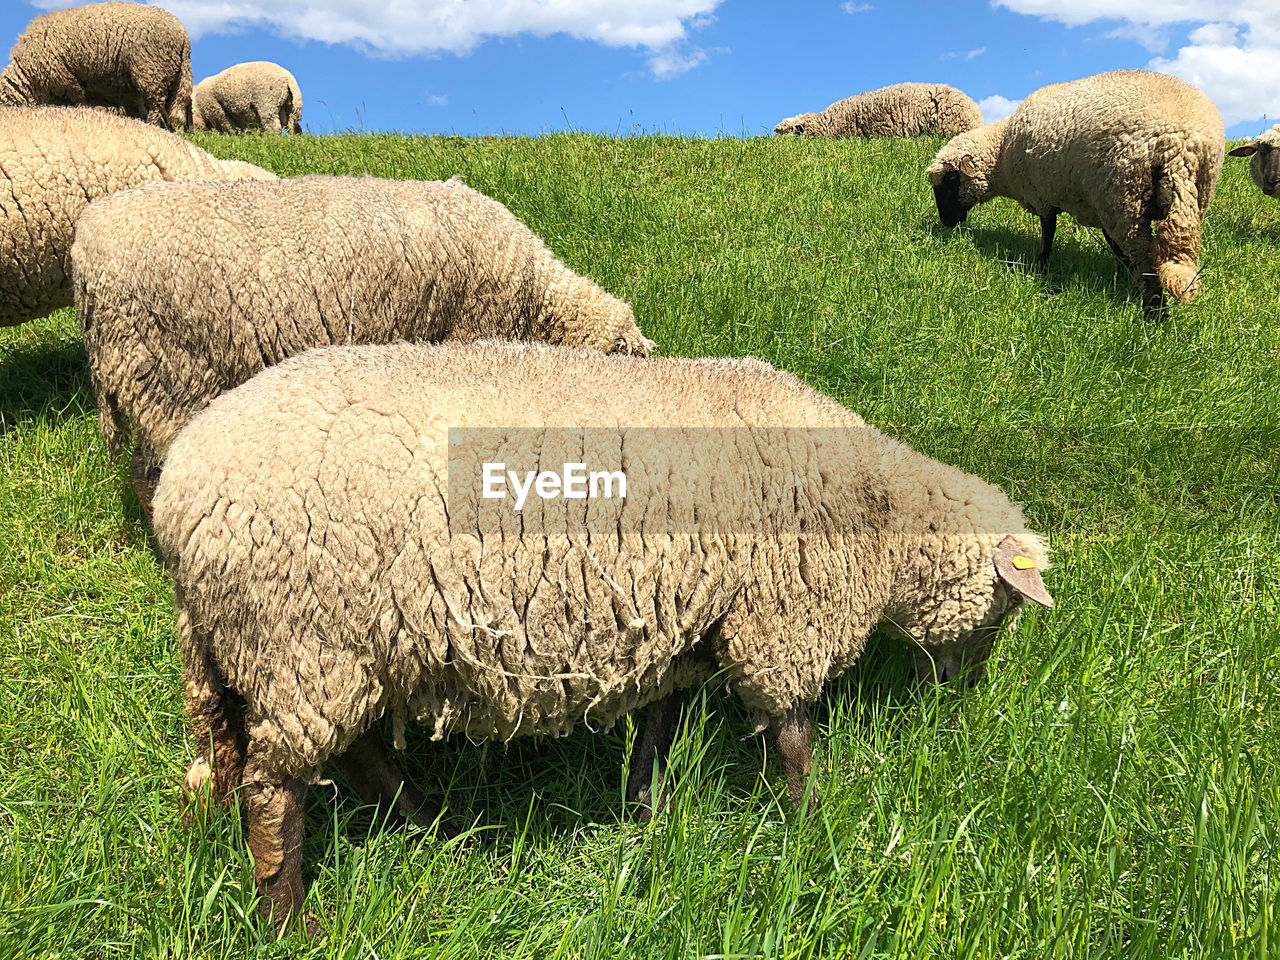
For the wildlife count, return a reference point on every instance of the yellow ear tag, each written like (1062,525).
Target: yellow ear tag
(1023,563)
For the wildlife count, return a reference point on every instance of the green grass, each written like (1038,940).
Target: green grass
(1110,791)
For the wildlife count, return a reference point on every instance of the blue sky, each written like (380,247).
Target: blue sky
(706,66)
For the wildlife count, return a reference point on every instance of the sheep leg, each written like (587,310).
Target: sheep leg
(1119,253)
(276,829)
(793,736)
(1137,245)
(146,477)
(224,736)
(374,774)
(649,762)
(1048,226)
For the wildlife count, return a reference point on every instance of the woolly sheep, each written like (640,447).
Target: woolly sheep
(129,58)
(249,96)
(1265,165)
(903,110)
(185,292)
(1119,151)
(53,161)
(330,568)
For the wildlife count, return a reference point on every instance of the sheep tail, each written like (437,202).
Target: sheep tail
(179,108)
(1175,210)
(217,719)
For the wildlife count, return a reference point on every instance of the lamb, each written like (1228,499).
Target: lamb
(903,110)
(1120,151)
(185,292)
(1265,165)
(249,96)
(129,58)
(53,161)
(338,557)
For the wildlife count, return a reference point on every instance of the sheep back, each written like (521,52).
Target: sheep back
(129,58)
(183,293)
(53,161)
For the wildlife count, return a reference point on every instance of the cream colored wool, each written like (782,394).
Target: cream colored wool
(129,58)
(185,292)
(53,161)
(1116,151)
(249,96)
(1264,165)
(304,519)
(903,110)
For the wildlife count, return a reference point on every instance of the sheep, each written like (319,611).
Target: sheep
(335,559)
(129,58)
(1119,151)
(903,110)
(185,292)
(53,161)
(1265,165)
(249,96)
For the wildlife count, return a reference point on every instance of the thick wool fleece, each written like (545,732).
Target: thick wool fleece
(185,292)
(129,58)
(304,517)
(903,110)
(249,96)
(53,161)
(1118,151)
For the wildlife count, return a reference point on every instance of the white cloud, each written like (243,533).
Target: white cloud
(1152,39)
(438,99)
(400,28)
(671,62)
(849,6)
(996,107)
(1233,55)
(966,54)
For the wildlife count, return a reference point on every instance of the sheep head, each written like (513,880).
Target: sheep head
(962,170)
(973,593)
(1265,165)
(806,124)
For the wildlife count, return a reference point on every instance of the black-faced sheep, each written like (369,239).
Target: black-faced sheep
(338,556)
(129,58)
(249,96)
(187,291)
(53,161)
(1120,151)
(903,110)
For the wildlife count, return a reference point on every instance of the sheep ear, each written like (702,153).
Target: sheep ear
(1019,571)
(967,166)
(1248,150)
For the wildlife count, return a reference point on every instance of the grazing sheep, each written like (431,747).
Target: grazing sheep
(903,110)
(249,96)
(1120,151)
(53,161)
(1265,165)
(335,560)
(183,293)
(132,59)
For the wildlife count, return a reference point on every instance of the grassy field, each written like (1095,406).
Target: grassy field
(1111,790)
